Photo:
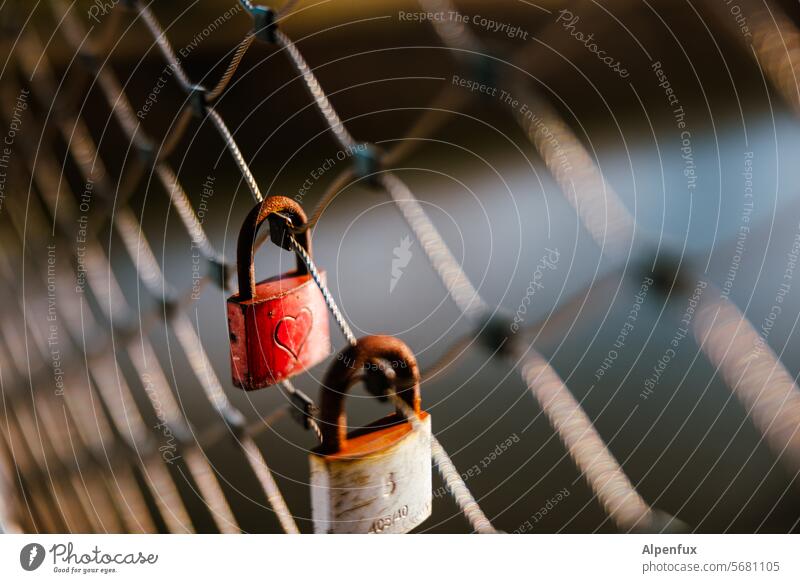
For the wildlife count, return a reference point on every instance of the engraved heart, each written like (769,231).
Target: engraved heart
(292,332)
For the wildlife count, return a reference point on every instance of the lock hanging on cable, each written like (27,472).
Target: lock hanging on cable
(376,479)
(278,327)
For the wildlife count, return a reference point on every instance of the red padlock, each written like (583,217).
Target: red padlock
(279,326)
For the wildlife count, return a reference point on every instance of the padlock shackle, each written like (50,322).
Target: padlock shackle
(245,246)
(369,353)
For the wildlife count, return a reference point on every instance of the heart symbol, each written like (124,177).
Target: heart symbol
(292,332)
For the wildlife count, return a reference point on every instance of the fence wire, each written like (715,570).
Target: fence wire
(58,455)
(122,412)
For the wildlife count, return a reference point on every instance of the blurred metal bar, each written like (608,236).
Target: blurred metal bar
(613,228)
(131,500)
(441,259)
(618,497)
(455,281)
(85,154)
(447,269)
(601,211)
(775,44)
(767,391)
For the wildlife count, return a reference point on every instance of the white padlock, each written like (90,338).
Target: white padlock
(376,479)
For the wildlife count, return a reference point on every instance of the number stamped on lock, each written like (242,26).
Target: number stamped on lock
(401,515)
(385,522)
(375,480)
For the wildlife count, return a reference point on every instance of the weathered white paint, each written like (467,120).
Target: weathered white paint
(387,491)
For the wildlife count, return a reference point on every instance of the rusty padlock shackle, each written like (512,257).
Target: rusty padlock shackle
(277,209)
(346,370)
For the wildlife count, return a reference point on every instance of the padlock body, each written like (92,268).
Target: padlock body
(380,483)
(280,332)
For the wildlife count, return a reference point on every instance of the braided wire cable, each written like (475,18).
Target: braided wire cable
(151,276)
(752,370)
(612,487)
(342,180)
(762,383)
(204,371)
(326,294)
(621,500)
(36,499)
(238,157)
(117,396)
(31,425)
(172,140)
(424,228)
(458,285)
(775,43)
(763,387)
(453,32)
(459,491)
(124,113)
(123,506)
(289,387)
(424,231)
(455,484)
(233,66)
(432,119)
(601,211)
(125,221)
(163,44)
(119,403)
(329,114)
(60,439)
(455,281)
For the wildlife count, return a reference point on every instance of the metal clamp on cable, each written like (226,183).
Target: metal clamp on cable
(264,25)
(234,420)
(303,410)
(668,273)
(89,60)
(483,69)
(197,100)
(169,305)
(367,162)
(126,330)
(147,152)
(179,431)
(496,333)
(220,272)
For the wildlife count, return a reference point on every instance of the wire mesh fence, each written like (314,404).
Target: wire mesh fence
(82,373)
